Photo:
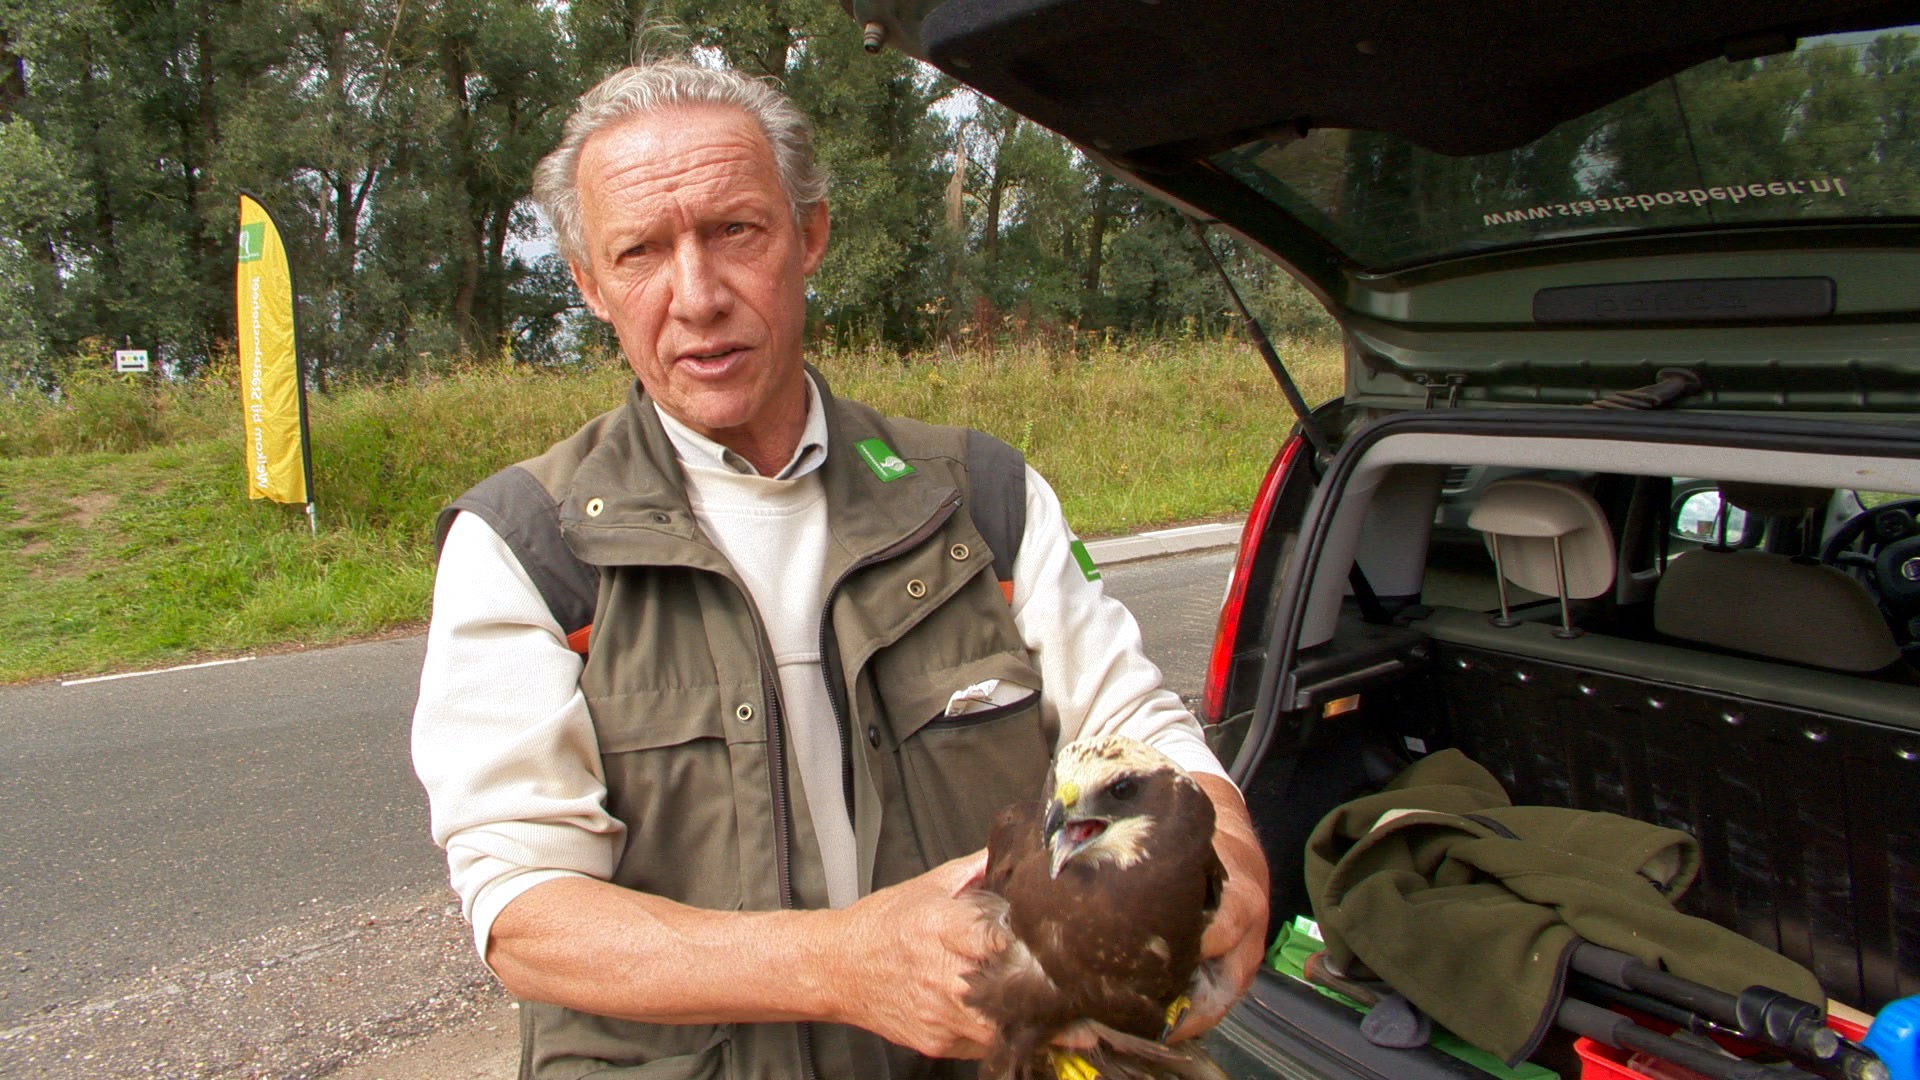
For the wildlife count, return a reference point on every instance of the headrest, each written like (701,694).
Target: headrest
(1528,513)
(1774,500)
(1769,605)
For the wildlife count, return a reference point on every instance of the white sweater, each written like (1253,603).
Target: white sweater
(505,747)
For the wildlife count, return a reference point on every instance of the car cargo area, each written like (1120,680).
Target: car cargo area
(1809,842)
(1691,681)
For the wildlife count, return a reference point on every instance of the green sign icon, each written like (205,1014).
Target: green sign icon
(886,464)
(253,241)
(1085,560)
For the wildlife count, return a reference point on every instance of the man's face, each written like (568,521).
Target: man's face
(693,256)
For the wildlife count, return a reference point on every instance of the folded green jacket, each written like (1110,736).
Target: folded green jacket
(1471,906)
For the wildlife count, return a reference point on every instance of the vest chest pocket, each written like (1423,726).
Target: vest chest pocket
(678,764)
(959,770)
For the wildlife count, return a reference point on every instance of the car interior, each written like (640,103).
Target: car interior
(1710,638)
(1619,494)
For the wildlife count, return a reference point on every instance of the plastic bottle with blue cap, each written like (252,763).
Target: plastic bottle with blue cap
(1895,1038)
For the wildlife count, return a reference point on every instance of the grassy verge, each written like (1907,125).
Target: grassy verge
(111,560)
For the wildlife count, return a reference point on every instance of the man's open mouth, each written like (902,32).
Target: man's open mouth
(712,357)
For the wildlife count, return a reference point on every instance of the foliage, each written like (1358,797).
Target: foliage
(395,141)
(155,554)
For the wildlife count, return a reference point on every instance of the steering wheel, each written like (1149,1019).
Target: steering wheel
(1889,540)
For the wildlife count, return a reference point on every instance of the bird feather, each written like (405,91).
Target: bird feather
(1104,892)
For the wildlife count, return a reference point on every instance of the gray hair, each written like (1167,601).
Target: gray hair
(667,84)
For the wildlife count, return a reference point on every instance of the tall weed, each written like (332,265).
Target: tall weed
(126,542)
(102,412)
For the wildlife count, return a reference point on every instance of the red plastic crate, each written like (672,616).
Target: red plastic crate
(1598,1061)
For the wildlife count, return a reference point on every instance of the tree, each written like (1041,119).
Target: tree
(118,95)
(503,99)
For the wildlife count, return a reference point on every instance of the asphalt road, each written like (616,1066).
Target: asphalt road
(151,820)
(1176,601)
(148,819)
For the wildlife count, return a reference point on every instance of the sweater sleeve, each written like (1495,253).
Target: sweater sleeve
(502,739)
(1098,679)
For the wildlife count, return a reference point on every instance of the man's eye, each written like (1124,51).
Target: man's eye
(734,228)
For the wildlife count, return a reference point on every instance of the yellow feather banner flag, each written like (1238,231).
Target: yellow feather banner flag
(273,399)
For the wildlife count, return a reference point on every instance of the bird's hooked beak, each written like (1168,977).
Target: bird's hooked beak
(1064,832)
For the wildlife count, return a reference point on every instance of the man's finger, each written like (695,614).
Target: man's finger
(966,871)
(1230,926)
(1221,936)
(965,1049)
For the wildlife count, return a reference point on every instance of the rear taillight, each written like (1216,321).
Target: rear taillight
(1226,635)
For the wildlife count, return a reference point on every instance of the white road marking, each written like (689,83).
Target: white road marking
(1228,529)
(156,671)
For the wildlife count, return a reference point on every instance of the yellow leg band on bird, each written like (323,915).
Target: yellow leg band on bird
(1069,1065)
(1175,1012)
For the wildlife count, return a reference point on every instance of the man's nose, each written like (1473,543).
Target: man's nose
(700,292)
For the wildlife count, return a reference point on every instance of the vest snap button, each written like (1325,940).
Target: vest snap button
(594,506)
(873,737)
(916,588)
(960,552)
(744,714)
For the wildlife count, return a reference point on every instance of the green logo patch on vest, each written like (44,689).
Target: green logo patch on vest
(253,241)
(1085,560)
(886,464)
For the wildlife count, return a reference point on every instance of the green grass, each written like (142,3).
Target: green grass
(1871,499)
(128,541)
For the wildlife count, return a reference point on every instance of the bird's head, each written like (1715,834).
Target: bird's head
(1103,798)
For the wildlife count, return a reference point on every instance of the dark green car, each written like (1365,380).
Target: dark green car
(1631,298)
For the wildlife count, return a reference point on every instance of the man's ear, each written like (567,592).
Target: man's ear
(813,238)
(589,290)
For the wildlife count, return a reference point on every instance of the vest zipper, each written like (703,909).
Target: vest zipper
(777,775)
(829,660)
(782,807)
(776,740)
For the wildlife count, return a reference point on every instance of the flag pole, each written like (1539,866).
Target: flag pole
(299,376)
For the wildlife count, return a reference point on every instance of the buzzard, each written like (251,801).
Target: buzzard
(1104,891)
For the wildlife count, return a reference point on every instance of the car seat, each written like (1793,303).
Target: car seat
(1549,537)
(1772,605)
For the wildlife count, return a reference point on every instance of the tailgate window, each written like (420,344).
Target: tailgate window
(1827,131)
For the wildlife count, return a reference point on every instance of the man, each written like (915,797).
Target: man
(730,837)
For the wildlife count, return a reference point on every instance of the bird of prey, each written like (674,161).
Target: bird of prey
(1104,891)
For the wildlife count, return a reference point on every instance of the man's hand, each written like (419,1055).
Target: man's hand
(1235,942)
(908,948)
(894,962)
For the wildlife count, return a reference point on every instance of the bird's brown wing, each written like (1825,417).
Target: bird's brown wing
(1098,944)
(1012,989)
(1015,837)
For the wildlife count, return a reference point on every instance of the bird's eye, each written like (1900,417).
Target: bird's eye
(1124,788)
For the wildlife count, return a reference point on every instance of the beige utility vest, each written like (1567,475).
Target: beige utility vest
(681,684)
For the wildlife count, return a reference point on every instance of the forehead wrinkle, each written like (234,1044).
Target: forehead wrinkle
(628,171)
(707,163)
